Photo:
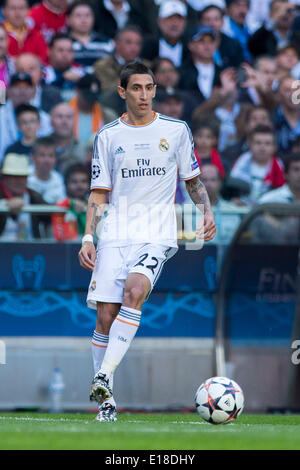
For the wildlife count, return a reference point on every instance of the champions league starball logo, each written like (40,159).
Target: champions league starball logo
(96,170)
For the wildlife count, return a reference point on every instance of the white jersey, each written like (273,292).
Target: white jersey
(139,165)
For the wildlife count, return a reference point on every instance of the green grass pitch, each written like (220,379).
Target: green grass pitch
(146,432)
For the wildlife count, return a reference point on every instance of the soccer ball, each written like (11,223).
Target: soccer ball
(219,400)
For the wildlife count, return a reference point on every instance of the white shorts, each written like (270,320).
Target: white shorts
(113,264)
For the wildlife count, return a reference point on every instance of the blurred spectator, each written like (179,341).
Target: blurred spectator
(62,72)
(89,115)
(259,167)
(128,46)
(296,145)
(290,191)
(268,228)
(71,225)
(14,195)
(235,24)
(165,73)
(257,82)
(88,45)
(200,74)
(206,144)
(287,59)
(28,120)
(167,78)
(113,15)
(275,32)
(68,150)
(49,17)
(223,103)
(229,52)
(286,118)
(21,91)
(248,119)
(21,36)
(44,179)
(258,13)
(170,43)
(7,66)
(226,222)
(169,103)
(46,96)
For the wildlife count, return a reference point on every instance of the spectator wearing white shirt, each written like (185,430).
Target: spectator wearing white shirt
(172,21)
(44,179)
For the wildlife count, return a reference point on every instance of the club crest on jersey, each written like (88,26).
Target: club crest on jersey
(96,170)
(93,286)
(164,145)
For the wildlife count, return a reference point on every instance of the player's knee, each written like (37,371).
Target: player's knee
(134,296)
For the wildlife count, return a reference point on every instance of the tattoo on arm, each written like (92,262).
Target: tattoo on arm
(198,193)
(95,212)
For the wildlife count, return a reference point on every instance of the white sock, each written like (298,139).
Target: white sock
(99,346)
(121,334)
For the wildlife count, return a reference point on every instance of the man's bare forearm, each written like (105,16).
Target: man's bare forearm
(198,193)
(96,206)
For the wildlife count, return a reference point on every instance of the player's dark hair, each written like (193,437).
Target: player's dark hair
(291,158)
(76,168)
(261,129)
(134,68)
(42,142)
(79,3)
(58,37)
(26,108)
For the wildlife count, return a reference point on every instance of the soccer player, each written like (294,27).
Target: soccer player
(136,159)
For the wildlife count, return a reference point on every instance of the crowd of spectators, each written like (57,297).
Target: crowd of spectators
(230,68)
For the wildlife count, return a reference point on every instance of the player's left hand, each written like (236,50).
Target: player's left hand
(207,230)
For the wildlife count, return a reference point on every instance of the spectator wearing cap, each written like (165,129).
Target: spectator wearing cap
(46,96)
(21,36)
(14,195)
(200,74)
(172,21)
(89,115)
(275,32)
(44,179)
(49,17)
(62,72)
(114,15)
(88,45)
(7,66)
(28,120)
(235,24)
(20,91)
(229,52)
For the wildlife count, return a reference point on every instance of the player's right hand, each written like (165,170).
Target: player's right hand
(87,256)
